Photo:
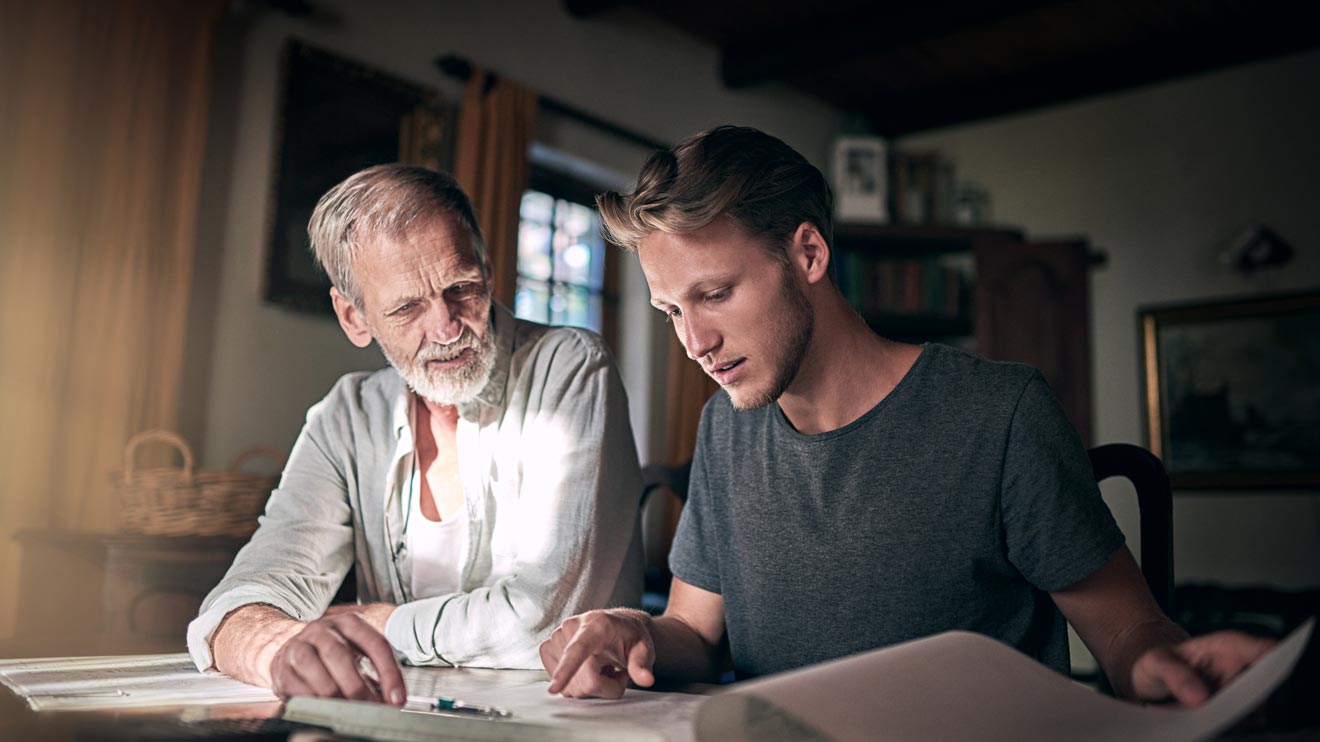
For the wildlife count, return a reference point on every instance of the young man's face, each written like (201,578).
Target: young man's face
(425,302)
(737,309)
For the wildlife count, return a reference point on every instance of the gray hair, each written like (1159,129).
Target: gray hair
(383,201)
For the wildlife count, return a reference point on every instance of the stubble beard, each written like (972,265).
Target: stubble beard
(797,327)
(452,386)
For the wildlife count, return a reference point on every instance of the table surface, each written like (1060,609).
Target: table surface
(227,722)
(260,721)
(235,721)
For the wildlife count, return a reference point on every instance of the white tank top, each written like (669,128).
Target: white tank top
(437,549)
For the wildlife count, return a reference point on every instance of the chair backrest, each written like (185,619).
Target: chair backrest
(673,478)
(1155,505)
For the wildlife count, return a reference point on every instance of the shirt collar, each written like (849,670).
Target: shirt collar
(403,408)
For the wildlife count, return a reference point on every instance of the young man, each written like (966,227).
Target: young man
(485,485)
(849,492)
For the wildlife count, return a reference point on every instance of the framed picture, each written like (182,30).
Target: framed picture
(860,189)
(1232,391)
(337,117)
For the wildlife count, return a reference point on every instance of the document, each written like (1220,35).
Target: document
(953,686)
(643,716)
(137,681)
(962,686)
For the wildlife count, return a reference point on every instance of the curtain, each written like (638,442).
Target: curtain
(496,122)
(687,390)
(103,111)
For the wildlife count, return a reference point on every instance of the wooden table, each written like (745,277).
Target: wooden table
(227,722)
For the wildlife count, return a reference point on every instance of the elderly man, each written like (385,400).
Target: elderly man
(485,485)
(849,492)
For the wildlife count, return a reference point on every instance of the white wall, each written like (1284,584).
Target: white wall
(255,368)
(1160,178)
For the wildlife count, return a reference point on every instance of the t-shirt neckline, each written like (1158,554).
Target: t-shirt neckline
(918,366)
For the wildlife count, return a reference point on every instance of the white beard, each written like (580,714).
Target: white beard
(453,386)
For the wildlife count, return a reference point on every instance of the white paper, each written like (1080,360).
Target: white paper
(962,686)
(525,694)
(640,716)
(135,681)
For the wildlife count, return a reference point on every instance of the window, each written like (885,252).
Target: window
(562,271)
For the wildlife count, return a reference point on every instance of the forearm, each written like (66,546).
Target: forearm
(248,638)
(681,654)
(375,614)
(1114,613)
(1129,645)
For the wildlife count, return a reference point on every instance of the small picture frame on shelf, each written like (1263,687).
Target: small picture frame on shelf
(860,179)
(1230,391)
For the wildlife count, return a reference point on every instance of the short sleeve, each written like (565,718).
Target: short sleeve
(1058,530)
(694,557)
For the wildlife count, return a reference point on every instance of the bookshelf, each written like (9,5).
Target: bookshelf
(988,290)
(911,282)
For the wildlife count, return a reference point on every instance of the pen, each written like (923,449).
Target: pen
(456,706)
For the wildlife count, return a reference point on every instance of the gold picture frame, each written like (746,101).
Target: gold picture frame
(1232,391)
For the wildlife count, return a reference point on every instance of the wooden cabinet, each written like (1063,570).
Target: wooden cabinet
(90,593)
(986,290)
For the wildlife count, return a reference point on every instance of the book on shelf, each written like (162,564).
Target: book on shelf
(930,286)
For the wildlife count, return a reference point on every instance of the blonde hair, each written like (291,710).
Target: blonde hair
(383,201)
(746,175)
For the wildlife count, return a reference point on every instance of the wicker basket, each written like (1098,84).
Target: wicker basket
(189,502)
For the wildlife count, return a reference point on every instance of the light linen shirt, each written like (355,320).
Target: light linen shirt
(551,485)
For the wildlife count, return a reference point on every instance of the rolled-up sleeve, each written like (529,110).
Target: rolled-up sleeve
(301,550)
(576,525)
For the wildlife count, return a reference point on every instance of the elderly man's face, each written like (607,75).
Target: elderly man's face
(424,301)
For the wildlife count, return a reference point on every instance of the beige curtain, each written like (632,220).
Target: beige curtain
(102,127)
(495,129)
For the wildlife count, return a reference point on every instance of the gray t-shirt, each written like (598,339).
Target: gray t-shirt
(957,502)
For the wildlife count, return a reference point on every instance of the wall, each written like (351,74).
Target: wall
(1160,178)
(255,368)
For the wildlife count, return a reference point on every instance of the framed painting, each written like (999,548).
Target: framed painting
(1232,391)
(337,117)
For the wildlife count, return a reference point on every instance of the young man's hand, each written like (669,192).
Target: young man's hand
(595,654)
(1193,670)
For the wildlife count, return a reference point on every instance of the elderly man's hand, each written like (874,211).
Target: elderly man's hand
(1190,672)
(595,654)
(325,659)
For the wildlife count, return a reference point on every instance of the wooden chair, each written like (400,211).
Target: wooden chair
(1155,506)
(661,478)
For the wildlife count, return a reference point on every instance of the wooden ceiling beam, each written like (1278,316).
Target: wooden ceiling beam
(793,52)
(592,8)
(1148,62)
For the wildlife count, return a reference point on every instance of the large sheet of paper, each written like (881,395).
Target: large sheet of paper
(525,693)
(137,681)
(961,686)
(640,716)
